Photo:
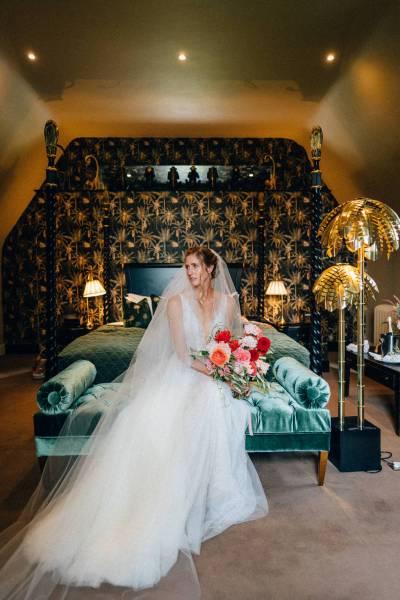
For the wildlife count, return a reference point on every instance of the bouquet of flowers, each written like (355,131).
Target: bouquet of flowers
(238,361)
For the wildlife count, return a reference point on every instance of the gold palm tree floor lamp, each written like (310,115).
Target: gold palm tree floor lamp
(335,289)
(367,227)
(351,450)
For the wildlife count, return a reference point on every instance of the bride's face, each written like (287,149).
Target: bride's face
(196,271)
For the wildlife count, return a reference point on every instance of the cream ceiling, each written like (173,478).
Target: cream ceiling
(237,40)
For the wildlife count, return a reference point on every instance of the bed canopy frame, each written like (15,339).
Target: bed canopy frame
(174,178)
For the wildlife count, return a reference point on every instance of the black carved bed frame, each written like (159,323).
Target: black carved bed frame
(232,179)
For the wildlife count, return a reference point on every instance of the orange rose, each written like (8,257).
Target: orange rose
(219,356)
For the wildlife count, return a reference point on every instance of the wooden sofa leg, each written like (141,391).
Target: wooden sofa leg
(323,459)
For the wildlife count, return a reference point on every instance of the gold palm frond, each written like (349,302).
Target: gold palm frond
(295,278)
(278,238)
(120,279)
(147,240)
(338,286)
(299,304)
(209,235)
(362,222)
(191,239)
(124,217)
(230,256)
(121,235)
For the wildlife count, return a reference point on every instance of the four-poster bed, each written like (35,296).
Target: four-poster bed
(134,219)
(179,183)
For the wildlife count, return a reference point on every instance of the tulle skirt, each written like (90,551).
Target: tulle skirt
(161,474)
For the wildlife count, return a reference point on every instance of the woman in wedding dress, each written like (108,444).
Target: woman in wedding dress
(164,469)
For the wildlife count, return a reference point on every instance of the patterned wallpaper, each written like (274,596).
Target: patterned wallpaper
(290,162)
(157,226)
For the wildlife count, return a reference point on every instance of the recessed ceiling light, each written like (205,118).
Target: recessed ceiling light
(182,57)
(31,56)
(330,57)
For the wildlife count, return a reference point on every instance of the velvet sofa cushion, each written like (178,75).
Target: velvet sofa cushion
(308,389)
(275,411)
(96,397)
(279,423)
(59,393)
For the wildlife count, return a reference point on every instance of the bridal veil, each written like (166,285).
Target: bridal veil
(143,433)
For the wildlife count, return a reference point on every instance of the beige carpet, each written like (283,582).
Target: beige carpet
(340,541)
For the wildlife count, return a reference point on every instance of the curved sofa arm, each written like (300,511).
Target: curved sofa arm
(59,393)
(307,388)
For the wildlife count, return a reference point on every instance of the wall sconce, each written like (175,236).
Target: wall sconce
(277,288)
(93,289)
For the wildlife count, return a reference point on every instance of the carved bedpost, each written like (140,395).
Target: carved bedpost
(316,250)
(106,258)
(261,255)
(51,184)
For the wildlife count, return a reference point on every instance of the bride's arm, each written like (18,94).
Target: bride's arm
(235,321)
(175,318)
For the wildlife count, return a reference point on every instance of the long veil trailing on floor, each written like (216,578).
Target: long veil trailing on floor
(110,524)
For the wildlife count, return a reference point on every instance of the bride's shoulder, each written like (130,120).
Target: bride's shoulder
(174,300)
(229,298)
(174,303)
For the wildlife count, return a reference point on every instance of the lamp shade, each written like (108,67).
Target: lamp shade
(93,288)
(276,288)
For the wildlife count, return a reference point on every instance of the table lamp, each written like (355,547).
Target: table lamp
(277,288)
(93,289)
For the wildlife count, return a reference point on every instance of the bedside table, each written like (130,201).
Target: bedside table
(300,332)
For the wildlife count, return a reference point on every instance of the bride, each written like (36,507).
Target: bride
(164,469)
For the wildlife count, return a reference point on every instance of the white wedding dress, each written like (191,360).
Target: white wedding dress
(165,470)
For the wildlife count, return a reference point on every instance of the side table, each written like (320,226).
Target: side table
(385,373)
(300,332)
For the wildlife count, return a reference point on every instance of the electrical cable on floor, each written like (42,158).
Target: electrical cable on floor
(383,459)
(393,464)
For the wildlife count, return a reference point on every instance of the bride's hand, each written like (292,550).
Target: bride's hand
(199,366)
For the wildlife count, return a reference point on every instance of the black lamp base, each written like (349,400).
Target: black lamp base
(355,449)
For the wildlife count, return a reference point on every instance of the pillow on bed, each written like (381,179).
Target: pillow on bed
(154,301)
(139,310)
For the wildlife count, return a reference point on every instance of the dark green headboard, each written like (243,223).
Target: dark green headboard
(149,278)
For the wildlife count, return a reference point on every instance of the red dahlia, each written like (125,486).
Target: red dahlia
(223,336)
(234,345)
(254,354)
(263,344)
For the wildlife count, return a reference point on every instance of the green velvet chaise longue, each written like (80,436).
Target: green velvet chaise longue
(289,417)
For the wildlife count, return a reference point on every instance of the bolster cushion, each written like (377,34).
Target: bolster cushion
(59,393)
(307,388)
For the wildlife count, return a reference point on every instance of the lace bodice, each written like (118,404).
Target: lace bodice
(196,331)
(188,331)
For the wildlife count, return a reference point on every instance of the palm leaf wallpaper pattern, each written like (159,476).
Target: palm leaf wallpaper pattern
(157,226)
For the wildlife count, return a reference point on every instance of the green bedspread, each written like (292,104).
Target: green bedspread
(283,345)
(111,348)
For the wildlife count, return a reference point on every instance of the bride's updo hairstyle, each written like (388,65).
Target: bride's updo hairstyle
(207,256)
